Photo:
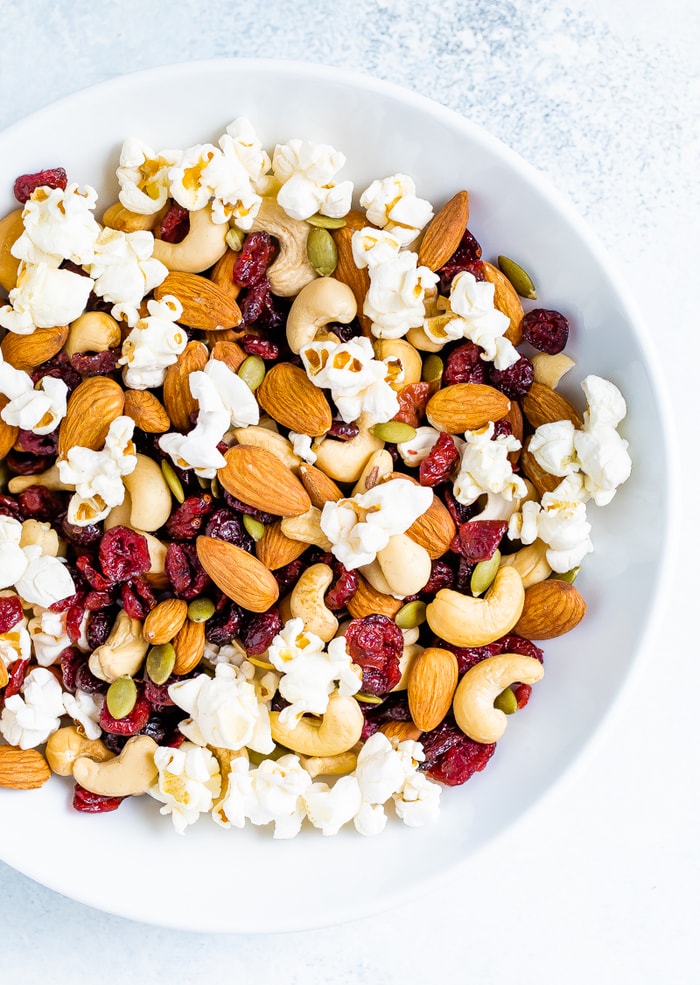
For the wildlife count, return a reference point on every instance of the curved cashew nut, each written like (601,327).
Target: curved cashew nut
(50,479)
(405,566)
(408,355)
(36,532)
(530,562)
(306,528)
(151,501)
(340,765)
(345,460)
(291,270)
(473,700)
(466,621)
(93,331)
(272,441)
(122,652)
(418,338)
(67,744)
(336,732)
(307,602)
(379,466)
(117,216)
(129,774)
(321,301)
(204,244)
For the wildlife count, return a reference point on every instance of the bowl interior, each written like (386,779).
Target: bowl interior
(382,130)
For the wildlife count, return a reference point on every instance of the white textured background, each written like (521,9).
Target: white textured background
(600,883)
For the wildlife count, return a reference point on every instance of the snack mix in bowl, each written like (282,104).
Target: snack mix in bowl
(290,495)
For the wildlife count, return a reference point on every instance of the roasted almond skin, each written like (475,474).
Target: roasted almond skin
(92,407)
(179,402)
(259,479)
(290,398)
(507,300)
(22,769)
(444,232)
(8,432)
(164,621)
(275,549)
(552,608)
(320,487)
(27,351)
(431,686)
(356,279)
(366,601)
(465,407)
(146,411)
(435,529)
(239,575)
(230,353)
(205,305)
(543,405)
(189,646)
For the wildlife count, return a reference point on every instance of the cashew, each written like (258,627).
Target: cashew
(550,368)
(68,744)
(379,465)
(43,534)
(291,270)
(408,356)
(409,654)
(204,244)
(332,734)
(338,765)
(322,301)
(418,338)
(50,479)
(345,460)
(307,602)
(405,565)
(306,528)
(473,700)
(122,652)
(129,774)
(263,437)
(117,216)
(151,501)
(93,331)
(466,621)
(530,562)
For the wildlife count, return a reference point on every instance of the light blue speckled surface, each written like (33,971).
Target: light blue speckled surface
(605,100)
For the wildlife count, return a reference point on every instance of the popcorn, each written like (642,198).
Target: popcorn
(358,382)
(480,321)
(85,710)
(38,579)
(561,523)
(97,475)
(143,176)
(37,408)
(306,171)
(125,271)
(271,794)
(395,301)
(485,467)
(188,781)
(153,344)
(58,225)
(391,204)
(29,718)
(44,296)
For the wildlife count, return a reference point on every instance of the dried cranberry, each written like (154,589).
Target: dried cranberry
(255,346)
(10,612)
(9,507)
(440,461)
(26,184)
(124,553)
(26,463)
(259,631)
(70,660)
(162,726)
(478,539)
(94,601)
(465,365)
(85,564)
(441,576)
(226,525)
(502,427)
(224,624)
(451,757)
(469,656)
(86,536)
(343,587)
(96,363)
(86,681)
(184,571)
(252,262)
(186,521)
(16,672)
(413,399)
(94,803)
(463,576)
(342,430)
(74,619)
(37,444)
(516,380)
(394,708)
(99,626)
(131,723)
(288,576)
(175,224)
(60,368)
(545,330)
(345,332)
(240,507)
(137,598)
(510,643)
(465,257)
(375,643)
(522,694)
(256,304)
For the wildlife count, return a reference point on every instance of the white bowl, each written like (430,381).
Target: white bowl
(131,862)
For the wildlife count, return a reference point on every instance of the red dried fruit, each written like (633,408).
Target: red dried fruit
(99,626)
(60,369)
(240,507)
(522,694)
(469,656)
(464,365)
(375,643)
(96,363)
(23,463)
(137,598)
(465,257)
(28,183)
(16,672)
(441,576)
(74,618)
(184,571)
(124,554)
(545,330)
(253,259)
(86,681)
(87,536)
(10,507)
(343,587)
(37,444)
(288,576)
(10,612)
(85,564)
(514,381)
(256,346)
(260,630)
(343,431)
(413,399)
(440,461)
(93,803)
(131,723)
(478,539)
(451,757)
(70,660)
(226,525)
(187,520)
(175,224)
(224,624)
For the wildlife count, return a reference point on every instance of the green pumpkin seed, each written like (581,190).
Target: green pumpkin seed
(368,699)
(234,239)
(171,478)
(410,615)
(433,368)
(199,610)
(255,528)
(121,697)
(484,572)
(160,662)
(326,221)
(569,576)
(395,432)
(256,758)
(506,702)
(216,488)
(321,251)
(252,371)
(519,278)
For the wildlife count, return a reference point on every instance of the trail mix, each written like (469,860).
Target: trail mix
(290,495)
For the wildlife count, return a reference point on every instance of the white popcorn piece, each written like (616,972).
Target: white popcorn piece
(189,779)
(46,580)
(37,408)
(44,296)
(235,174)
(307,172)
(418,801)
(392,204)
(329,808)
(29,718)
(270,794)
(15,643)
(479,320)
(485,467)
(48,636)
(418,448)
(561,523)
(13,560)
(125,271)
(372,247)
(357,380)
(97,476)
(153,344)
(301,446)
(85,710)
(58,225)
(191,177)
(143,176)
(395,300)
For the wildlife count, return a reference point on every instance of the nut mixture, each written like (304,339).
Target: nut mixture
(290,493)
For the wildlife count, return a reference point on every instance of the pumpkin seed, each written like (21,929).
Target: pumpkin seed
(234,239)
(160,662)
(433,368)
(395,432)
(173,481)
(121,697)
(252,371)
(321,251)
(368,699)
(484,572)
(255,528)
(262,664)
(519,278)
(410,615)
(201,609)
(506,702)
(326,221)
(569,576)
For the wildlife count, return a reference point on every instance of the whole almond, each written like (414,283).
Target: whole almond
(259,479)
(27,351)
(506,300)
(357,279)
(444,232)
(275,549)
(179,402)
(146,411)
(435,529)
(320,487)
(22,769)
(239,575)
(164,621)
(222,274)
(432,682)
(189,646)
(205,305)
(465,407)
(92,407)
(552,608)
(11,228)
(543,405)
(529,466)
(367,601)
(290,398)
(400,731)
(230,353)
(8,432)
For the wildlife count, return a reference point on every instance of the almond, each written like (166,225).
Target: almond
(92,407)
(11,228)
(465,407)
(189,646)
(320,487)
(356,279)
(275,549)
(444,232)
(179,402)
(542,405)
(506,300)
(259,479)
(529,466)
(146,411)
(515,419)
(552,608)
(400,731)
(164,621)
(290,398)
(367,601)
(205,305)
(432,682)
(238,574)
(22,769)
(27,351)
(230,353)
(8,432)
(435,529)
(222,274)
